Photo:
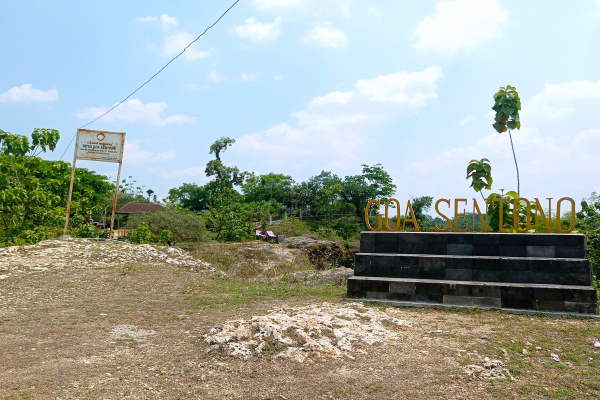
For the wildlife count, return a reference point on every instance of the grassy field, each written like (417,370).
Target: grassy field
(133,329)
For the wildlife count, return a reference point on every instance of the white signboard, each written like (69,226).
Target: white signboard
(99,145)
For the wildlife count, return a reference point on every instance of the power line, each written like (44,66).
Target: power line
(152,77)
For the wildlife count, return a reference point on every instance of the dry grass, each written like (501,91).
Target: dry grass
(134,329)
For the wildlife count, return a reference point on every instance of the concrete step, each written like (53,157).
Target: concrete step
(541,245)
(557,271)
(512,296)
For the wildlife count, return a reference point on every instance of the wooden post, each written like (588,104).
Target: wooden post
(71,187)
(112,217)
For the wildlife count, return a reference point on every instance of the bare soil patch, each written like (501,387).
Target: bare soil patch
(103,320)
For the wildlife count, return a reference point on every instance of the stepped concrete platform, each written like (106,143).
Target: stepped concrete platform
(531,272)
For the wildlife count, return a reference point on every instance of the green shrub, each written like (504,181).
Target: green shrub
(165,237)
(182,225)
(141,235)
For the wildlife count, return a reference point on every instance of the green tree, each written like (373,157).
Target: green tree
(588,223)
(374,183)
(230,175)
(507,105)
(269,187)
(228,218)
(33,191)
(190,197)
(421,206)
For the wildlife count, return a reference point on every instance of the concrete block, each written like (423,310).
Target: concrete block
(486,264)
(409,248)
(486,239)
(548,305)
(459,263)
(485,291)
(433,248)
(541,239)
(581,279)
(569,240)
(465,301)
(485,250)
(511,264)
(506,250)
(378,261)
(570,252)
(432,272)
(512,239)
(409,237)
(515,276)
(432,262)
(459,274)
(492,302)
(459,238)
(403,287)
(459,249)
(433,238)
(486,276)
(545,265)
(550,294)
(582,308)
(429,298)
(585,295)
(546,278)
(540,251)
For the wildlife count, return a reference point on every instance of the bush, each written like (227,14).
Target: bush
(330,255)
(182,226)
(141,235)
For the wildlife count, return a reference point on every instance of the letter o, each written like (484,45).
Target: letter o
(378,215)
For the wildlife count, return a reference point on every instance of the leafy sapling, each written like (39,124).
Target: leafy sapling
(507,105)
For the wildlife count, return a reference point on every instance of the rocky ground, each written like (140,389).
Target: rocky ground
(101,319)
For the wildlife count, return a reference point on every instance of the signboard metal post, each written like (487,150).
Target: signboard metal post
(97,146)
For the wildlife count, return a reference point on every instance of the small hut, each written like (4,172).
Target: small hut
(135,208)
(139,208)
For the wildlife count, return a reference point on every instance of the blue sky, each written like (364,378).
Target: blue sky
(311,85)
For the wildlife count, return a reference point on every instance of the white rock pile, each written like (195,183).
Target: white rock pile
(56,254)
(299,333)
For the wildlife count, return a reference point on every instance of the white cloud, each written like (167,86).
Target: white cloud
(324,36)
(214,76)
(134,111)
(163,22)
(314,8)
(175,41)
(457,24)
(134,154)
(332,98)
(250,77)
(547,165)
(557,101)
(465,120)
(405,88)
(338,126)
(258,31)
(26,92)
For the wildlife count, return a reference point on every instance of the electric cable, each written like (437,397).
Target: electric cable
(152,77)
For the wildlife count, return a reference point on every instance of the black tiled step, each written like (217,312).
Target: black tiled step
(518,296)
(559,271)
(537,245)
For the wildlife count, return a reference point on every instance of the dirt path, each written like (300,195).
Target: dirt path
(112,321)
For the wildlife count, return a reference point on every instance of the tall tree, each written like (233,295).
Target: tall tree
(230,175)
